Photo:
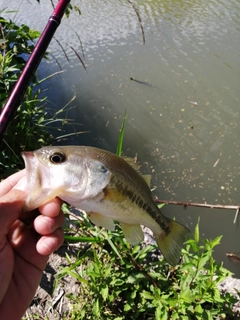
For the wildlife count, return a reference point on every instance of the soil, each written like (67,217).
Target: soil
(50,303)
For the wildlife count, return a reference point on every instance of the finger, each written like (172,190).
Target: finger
(22,184)
(29,216)
(30,248)
(45,225)
(7,184)
(51,209)
(11,206)
(23,241)
(48,244)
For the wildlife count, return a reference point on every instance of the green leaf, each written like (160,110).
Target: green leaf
(203,260)
(96,307)
(147,295)
(196,233)
(34,34)
(161,312)
(193,244)
(120,141)
(161,205)
(117,282)
(80,239)
(108,238)
(135,278)
(216,241)
(127,307)
(175,316)
(186,295)
(199,309)
(104,291)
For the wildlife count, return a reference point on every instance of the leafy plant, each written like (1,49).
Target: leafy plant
(119,281)
(17,43)
(26,130)
(30,127)
(122,282)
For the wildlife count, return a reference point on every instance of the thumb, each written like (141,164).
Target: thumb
(11,206)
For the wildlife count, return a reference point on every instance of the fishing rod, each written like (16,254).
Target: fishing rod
(21,86)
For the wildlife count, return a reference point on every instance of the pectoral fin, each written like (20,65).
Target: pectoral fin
(132,233)
(101,221)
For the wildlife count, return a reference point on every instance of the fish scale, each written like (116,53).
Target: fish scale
(147,205)
(107,187)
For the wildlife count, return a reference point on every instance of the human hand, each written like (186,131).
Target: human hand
(24,248)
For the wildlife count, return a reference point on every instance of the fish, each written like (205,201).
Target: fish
(142,82)
(107,187)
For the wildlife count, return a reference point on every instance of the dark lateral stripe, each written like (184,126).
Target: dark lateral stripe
(151,209)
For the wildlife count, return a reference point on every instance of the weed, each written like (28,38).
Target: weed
(121,282)
(31,127)
(26,130)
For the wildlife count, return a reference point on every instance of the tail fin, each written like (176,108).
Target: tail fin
(172,243)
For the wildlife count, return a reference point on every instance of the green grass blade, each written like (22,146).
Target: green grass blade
(161,205)
(80,239)
(112,245)
(120,140)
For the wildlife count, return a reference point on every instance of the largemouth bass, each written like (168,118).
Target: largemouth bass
(107,187)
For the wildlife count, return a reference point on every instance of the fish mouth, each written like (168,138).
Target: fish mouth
(31,167)
(40,189)
(33,175)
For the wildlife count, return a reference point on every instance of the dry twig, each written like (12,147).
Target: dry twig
(203,205)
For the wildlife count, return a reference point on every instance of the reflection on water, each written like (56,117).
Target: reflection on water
(184,125)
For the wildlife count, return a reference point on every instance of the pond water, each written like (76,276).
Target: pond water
(182,113)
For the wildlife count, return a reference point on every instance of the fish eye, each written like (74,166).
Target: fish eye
(57,157)
(103,169)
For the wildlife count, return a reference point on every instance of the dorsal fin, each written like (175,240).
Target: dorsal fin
(147,178)
(132,162)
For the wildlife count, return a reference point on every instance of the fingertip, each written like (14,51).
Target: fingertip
(46,245)
(46,225)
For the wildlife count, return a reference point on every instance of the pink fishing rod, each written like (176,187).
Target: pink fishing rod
(31,66)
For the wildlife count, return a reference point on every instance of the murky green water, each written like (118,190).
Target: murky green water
(183,123)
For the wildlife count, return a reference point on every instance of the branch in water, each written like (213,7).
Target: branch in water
(139,18)
(204,205)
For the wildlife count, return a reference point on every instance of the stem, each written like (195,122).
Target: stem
(139,18)
(204,205)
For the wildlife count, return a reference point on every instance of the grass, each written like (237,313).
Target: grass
(120,281)
(31,127)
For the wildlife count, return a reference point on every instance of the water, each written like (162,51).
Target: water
(183,123)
